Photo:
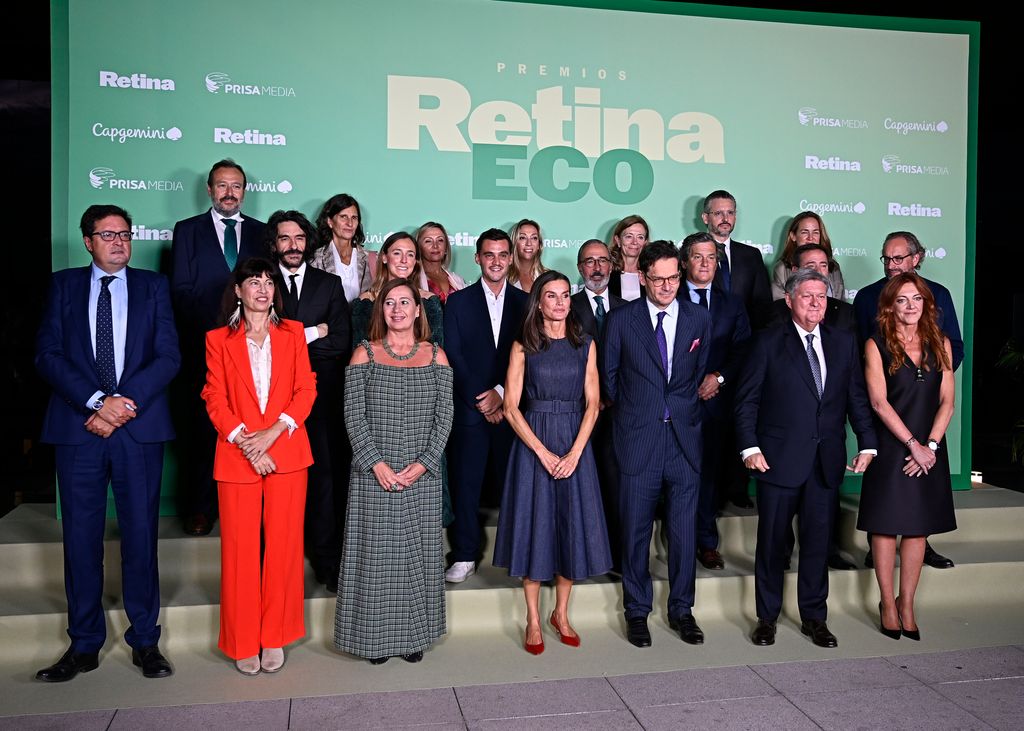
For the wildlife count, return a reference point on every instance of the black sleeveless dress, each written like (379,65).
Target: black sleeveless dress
(892,503)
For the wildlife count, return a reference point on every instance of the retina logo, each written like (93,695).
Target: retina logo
(223,135)
(904,128)
(123,134)
(813,162)
(218,81)
(895,164)
(104,178)
(135,81)
(268,186)
(822,207)
(914,210)
(809,117)
(144,233)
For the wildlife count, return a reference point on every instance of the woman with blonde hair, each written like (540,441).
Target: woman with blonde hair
(629,237)
(527,247)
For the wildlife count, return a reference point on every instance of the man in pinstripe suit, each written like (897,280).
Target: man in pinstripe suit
(655,355)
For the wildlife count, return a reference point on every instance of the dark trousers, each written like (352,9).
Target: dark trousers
(671,477)
(608,476)
(470,448)
(816,502)
(133,470)
(326,492)
(197,492)
(713,472)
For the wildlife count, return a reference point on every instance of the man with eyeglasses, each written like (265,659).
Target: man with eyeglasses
(205,250)
(654,358)
(730,331)
(108,348)
(903,252)
(591,306)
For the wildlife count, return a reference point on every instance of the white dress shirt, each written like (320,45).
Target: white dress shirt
(218,225)
(694,297)
(260,363)
(349,273)
(495,307)
(668,325)
(300,276)
(630,286)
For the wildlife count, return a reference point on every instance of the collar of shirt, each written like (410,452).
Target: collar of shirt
(604,299)
(299,278)
(491,296)
(670,312)
(816,332)
(694,297)
(98,274)
(818,348)
(218,227)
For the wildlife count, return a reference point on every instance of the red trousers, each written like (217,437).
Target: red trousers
(261,596)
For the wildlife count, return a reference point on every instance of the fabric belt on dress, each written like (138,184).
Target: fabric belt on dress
(553,406)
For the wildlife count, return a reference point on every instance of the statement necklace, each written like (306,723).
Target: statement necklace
(393,354)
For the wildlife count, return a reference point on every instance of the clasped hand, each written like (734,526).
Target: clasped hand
(393,481)
(919,461)
(254,446)
(115,412)
(489,404)
(558,467)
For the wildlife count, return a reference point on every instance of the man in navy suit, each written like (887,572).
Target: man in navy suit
(801,382)
(591,306)
(108,348)
(730,331)
(480,324)
(205,250)
(655,356)
(316,299)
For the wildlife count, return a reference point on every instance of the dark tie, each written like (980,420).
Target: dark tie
(292,288)
(230,242)
(812,358)
(105,338)
(659,335)
(291,295)
(702,298)
(599,312)
(723,264)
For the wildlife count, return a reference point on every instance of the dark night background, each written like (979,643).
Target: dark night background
(26,468)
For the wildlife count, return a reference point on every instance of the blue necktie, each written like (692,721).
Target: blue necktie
(230,242)
(812,358)
(702,297)
(105,338)
(659,335)
(599,312)
(723,264)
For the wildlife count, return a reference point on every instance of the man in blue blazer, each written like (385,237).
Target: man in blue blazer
(801,383)
(480,324)
(108,348)
(655,356)
(730,331)
(205,250)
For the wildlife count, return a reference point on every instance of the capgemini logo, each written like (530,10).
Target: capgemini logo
(99,176)
(940,253)
(889,162)
(173,133)
(806,114)
(284,186)
(859,208)
(216,80)
(942,127)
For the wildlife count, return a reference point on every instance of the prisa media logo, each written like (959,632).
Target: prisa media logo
(218,82)
(123,134)
(225,136)
(895,164)
(104,178)
(135,81)
(822,207)
(809,117)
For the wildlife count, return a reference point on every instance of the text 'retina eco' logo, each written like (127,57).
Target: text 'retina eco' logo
(124,134)
(114,80)
(104,178)
(809,117)
(895,164)
(218,82)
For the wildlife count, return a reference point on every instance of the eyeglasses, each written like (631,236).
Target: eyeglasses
(660,281)
(109,236)
(593,261)
(897,260)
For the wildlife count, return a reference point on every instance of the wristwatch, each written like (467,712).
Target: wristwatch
(97,404)
(720,378)
(933,445)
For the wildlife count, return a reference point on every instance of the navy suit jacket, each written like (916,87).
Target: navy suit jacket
(865,305)
(730,333)
(748,278)
(65,359)
(199,274)
(634,380)
(778,409)
(478,365)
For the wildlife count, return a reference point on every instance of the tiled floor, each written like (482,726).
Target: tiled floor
(965,689)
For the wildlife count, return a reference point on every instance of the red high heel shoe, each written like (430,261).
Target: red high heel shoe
(534,649)
(566,639)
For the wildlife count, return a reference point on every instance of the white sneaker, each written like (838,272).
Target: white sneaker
(272,660)
(248,665)
(459,572)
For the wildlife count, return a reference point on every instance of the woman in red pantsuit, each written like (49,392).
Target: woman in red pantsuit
(259,391)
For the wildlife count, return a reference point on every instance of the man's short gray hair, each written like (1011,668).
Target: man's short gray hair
(802,276)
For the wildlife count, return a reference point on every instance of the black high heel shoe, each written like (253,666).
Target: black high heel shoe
(892,634)
(910,634)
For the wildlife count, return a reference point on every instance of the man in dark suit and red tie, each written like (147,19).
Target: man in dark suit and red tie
(108,348)
(655,356)
(800,384)
(317,300)
(205,250)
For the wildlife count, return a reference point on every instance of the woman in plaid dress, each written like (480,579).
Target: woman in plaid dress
(398,411)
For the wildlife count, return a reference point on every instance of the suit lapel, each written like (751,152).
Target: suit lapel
(279,342)
(310,284)
(798,352)
(238,351)
(136,298)
(832,366)
(80,313)
(645,333)
(683,341)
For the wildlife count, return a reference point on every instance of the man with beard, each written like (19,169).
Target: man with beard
(205,250)
(316,299)
(741,270)
(591,305)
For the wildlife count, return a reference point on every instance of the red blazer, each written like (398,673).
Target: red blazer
(230,396)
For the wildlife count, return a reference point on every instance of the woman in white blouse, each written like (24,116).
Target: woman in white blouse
(629,237)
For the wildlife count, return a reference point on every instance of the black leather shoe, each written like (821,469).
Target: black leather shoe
(839,563)
(378,660)
(687,628)
(936,560)
(637,632)
(764,633)
(198,525)
(869,560)
(710,559)
(413,656)
(70,664)
(817,630)
(152,662)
